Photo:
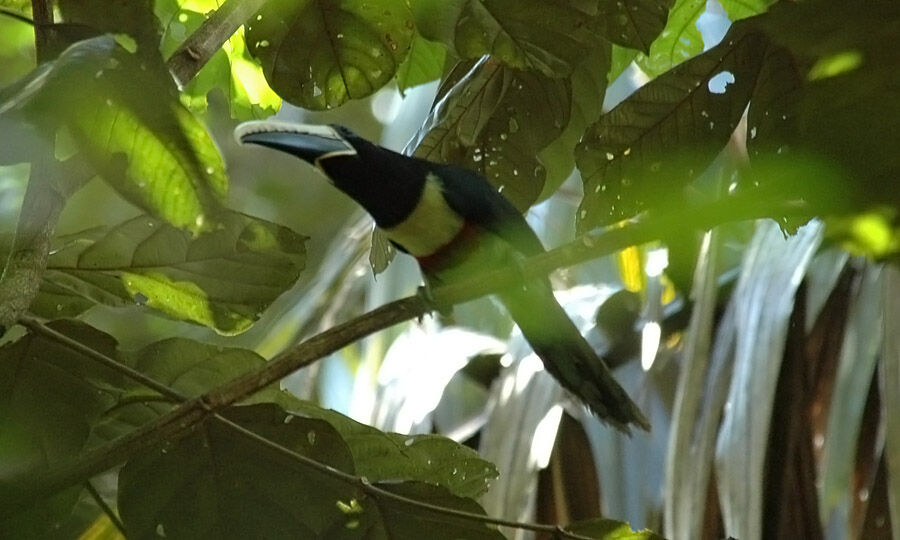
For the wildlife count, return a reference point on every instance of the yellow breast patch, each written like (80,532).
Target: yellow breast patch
(431,225)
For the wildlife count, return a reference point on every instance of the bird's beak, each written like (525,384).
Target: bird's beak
(309,142)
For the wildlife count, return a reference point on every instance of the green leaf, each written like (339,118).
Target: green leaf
(610,529)
(320,53)
(679,40)
(634,23)
(494,121)
(642,153)
(217,483)
(49,396)
(132,17)
(589,82)
(231,70)
(222,279)
(549,37)
(193,368)
(396,520)
(122,112)
(741,9)
(381,456)
(424,63)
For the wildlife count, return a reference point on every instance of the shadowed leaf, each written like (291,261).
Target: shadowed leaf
(222,279)
(549,36)
(645,150)
(321,53)
(634,23)
(495,120)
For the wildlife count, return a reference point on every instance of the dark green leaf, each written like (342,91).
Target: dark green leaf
(634,23)
(397,520)
(549,36)
(495,121)
(222,279)
(424,63)
(122,112)
(679,40)
(193,368)
(50,397)
(589,82)
(643,152)
(383,456)
(217,483)
(320,53)
(132,17)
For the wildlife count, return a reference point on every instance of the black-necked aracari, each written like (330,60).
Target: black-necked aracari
(455,224)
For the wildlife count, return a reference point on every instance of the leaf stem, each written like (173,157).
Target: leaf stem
(9,12)
(110,513)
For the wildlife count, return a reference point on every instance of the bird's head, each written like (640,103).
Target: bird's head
(385,183)
(310,142)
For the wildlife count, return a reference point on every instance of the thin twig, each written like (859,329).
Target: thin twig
(9,12)
(38,328)
(110,513)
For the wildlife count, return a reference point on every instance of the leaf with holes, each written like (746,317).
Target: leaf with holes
(549,36)
(222,279)
(634,23)
(643,152)
(321,53)
(495,120)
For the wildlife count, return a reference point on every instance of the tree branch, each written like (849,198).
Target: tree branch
(181,421)
(40,211)
(196,51)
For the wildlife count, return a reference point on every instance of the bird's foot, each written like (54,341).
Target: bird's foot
(424,292)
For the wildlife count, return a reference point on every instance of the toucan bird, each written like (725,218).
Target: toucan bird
(456,225)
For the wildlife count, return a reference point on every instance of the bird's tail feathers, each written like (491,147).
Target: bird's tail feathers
(569,357)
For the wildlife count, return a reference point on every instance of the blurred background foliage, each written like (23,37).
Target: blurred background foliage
(761,341)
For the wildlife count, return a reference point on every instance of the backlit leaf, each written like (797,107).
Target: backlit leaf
(678,41)
(121,111)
